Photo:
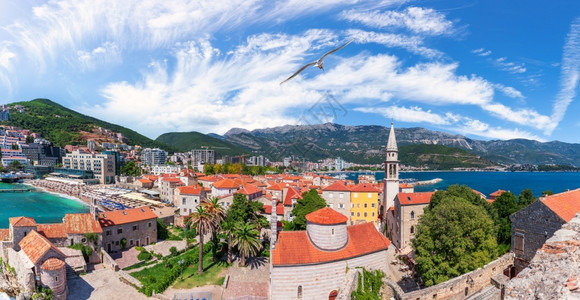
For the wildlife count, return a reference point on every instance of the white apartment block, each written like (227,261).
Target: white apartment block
(102,165)
(153,157)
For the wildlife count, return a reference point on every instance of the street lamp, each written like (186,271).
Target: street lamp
(181,264)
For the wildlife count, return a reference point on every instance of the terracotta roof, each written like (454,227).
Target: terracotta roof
(189,190)
(4,234)
(497,193)
(35,246)
(404,185)
(125,216)
(81,224)
(326,216)
(145,180)
(566,205)
(415,198)
(279,209)
(365,188)
(209,178)
(277,187)
(295,248)
(226,184)
(250,189)
(337,186)
(22,222)
(172,180)
(291,194)
(52,263)
(52,231)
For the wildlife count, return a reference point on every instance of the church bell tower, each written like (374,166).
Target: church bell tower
(391,181)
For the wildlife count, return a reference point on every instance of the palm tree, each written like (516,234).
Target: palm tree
(217,213)
(229,230)
(247,239)
(203,223)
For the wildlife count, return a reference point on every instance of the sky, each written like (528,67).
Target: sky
(490,69)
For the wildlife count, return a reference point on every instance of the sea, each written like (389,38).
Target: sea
(487,182)
(43,206)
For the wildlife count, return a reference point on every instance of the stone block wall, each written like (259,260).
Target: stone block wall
(319,280)
(465,285)
(23,268)
(536,223)
(108,261)
(143,231)
(327,237)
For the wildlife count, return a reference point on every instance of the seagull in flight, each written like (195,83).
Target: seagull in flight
(319,63)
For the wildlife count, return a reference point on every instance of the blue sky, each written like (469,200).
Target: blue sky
(485,69)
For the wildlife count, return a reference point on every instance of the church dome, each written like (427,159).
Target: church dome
(326,229)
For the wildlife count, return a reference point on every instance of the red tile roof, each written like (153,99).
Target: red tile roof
(250,189)
(81,224)
(276,187)
(326,216)
(52,264)
(291,194)
(405,185)
(4,234)
(279,209)
(337,186)
(209,178)
(497,193)
(364,188)
(52,231)
(172,180)
(35,246)
(22,222)
(566,205)
(227,184)
(116,217)
(145,180)
(415,198)
(189,190)
(295,247)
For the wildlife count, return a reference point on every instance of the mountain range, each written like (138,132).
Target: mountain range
(359,144)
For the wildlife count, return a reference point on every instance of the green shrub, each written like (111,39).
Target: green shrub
(139,248)
(173,251)
(144,255)
(86,250)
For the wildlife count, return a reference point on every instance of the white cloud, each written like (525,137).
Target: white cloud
(101,56)
(526,117)
(511,67)
(570,75)
(416,19)
(413,114)
(509,91)
(481,52)
(413,44)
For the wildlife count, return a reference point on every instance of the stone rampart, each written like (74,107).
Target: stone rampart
(465,285)
(108,261)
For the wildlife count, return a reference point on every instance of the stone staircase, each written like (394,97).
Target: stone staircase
(488,293)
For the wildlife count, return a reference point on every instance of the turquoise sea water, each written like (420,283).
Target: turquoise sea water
(43,207)
(488,182)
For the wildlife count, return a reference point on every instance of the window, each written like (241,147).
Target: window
(358,205)
(365,214)
(299,292)
(330,195)
(149,224)
(135,227)
(352,205)
(365,205)
(130,242)
(119,230)
(340,195)
(412,215)
(356,195)
(332,231)
(358,214)
(340,205)
(370,195)
(108,232)
(412,229)
(56,278)
(520,240)
(372,205)
(83,240)
(373,214)
(352,214)
(183,201)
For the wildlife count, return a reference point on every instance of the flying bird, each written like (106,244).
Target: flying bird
(319,63)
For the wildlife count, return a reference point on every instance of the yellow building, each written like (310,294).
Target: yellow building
(364,204)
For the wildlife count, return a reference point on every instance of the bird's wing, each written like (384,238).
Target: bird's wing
(298,72)
(336,49)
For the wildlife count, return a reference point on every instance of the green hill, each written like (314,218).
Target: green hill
(62,126)
(186,141)
(440,157)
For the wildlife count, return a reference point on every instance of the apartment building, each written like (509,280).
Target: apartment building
(102,165)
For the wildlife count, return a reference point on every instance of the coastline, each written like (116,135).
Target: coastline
(57,193)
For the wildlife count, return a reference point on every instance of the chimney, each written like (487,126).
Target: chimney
(273,225)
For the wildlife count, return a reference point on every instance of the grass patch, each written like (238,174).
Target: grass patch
(140,264)
(211,274)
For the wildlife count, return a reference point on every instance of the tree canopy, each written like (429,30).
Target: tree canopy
(311,201)
(453,238)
